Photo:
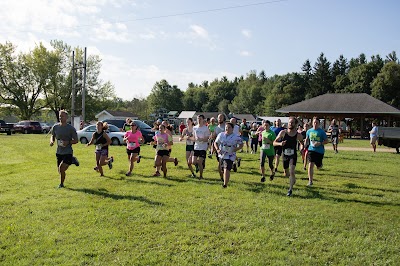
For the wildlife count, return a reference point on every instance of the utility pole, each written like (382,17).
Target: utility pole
(76,67)
(73,89)
(84,87)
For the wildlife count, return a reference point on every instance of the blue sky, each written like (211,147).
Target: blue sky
(142,42)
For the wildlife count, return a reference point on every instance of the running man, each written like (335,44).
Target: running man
(102,141)
(201,136)
(245,129)
(211,126)
(65,134)
(287,139)
(187,134)
(267,150)
(278,149)
(317,138)
(226,145)
(133,138)
(373,135)
(335,132)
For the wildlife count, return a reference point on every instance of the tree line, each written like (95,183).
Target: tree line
(41,78)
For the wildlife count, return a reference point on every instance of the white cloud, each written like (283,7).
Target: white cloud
(245,53)
(199,31)
(107,31)
(246,33)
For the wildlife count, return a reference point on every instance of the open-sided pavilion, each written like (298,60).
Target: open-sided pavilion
(341,106)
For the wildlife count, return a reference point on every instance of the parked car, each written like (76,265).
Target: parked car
(116,136)
(45,127)
(146,130)
(6,128)
(28,127)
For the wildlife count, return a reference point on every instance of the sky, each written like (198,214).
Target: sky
(143,42)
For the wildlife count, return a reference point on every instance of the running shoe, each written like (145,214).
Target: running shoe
(224,186)
(289,193)
(138,159)
(176,161)
(156,173)
(271,177)
(60,185)
(128,174)
(75,161)
(96,169)
(210,156)
(309,184)
(262,179)
(238,162)
(193,175)
(110,162)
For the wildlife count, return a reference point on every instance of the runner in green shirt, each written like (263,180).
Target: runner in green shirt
(267,150)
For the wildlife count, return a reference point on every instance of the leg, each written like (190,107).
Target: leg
(292,176)
(62,170)
(227,175)
(200,164)
(310,172)
(189,156)
(165,159)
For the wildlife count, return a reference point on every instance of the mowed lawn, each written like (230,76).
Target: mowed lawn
(351,216)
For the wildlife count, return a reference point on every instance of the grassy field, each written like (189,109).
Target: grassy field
(350,217)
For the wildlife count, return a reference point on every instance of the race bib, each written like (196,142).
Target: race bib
(99,146)
(288,152)
(132,145)
(60,143)
(266,146)
(228,149)
(313,142)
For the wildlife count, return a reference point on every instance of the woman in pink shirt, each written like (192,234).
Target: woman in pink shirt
(133,138)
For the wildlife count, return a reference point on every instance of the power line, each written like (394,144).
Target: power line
(167,16)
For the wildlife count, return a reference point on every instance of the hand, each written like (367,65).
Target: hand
(283,143)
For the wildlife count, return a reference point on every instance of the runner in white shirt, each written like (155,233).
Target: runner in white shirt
(236,131)
(201,135)
(226,144)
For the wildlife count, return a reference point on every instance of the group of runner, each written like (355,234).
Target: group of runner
(217,137)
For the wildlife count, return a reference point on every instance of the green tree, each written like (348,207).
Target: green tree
(321,81)
(163,95)
(23,78)
(386,86)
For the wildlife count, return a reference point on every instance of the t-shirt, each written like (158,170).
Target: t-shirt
(219,129)
(277,129)
(316,135)
(66,133)
(160,139)
(227,144)
(374,132)
(253,134)
(267,147)
(201,132)
(245,130)
(236,130)
(133,139)
(126,127)
(212,127)
(334,131)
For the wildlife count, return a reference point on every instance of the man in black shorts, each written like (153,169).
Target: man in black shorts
(287,139)
(65,134)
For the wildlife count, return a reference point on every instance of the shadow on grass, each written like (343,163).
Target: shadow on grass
(355,186)
(105,194)
(369,174)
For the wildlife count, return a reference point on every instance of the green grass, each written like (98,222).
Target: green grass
(349,217)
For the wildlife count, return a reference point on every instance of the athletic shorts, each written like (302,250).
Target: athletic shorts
(226,164)
(335,140)
(163,153)
(102,152)
(278,150)
(246,139)
(373,140)
(263,156)
(286,160)
(200,153)
(315,157)
(64,158)
(136,150)
(189,147)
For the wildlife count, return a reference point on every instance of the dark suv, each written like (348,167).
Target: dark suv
(27,127)
(146,130)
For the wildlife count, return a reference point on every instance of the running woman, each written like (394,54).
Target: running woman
(187,134)
(254,138)
(201,136)
(102,141)
(133,138)
(162,140)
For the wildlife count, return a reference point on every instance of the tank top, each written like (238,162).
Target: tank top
(189,134)
(100,139)
(291,144)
